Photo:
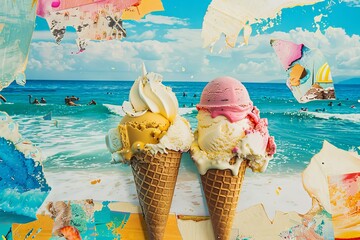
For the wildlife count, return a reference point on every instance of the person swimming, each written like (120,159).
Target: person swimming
(36,101)
(92,102)
(42,100)
(68,102)
(73,98)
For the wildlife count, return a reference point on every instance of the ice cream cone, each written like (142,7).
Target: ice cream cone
(222,190)
(155,178)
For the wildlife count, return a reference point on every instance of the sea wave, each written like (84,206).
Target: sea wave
(23,186)
(115,109)
(352,117)
(22,203)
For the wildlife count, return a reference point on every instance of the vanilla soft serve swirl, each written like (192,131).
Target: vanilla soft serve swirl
(148,93)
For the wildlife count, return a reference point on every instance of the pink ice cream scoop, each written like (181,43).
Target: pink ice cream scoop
(226,96)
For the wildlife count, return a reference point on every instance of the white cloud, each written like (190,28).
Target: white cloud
(147,35)
(182,48)
(49,56)
(166,20)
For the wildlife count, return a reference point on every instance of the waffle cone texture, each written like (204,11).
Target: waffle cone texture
(222,191)
(155,178)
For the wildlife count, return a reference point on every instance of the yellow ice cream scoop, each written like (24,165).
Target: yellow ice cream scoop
(136,132)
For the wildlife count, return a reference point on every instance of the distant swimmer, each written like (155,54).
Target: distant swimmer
(73,98)
(352,106)
(184,94)
(69,102)
(339,104)
(330,104)
(36,101)
(42,100)
(2,98)
(195,95)
(92,102)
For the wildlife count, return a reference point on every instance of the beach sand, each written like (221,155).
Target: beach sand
(276,192)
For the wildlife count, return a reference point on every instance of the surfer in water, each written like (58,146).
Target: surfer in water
(2,98)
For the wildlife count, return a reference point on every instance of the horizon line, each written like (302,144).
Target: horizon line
(200,81)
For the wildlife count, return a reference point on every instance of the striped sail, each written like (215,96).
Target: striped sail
(324,74)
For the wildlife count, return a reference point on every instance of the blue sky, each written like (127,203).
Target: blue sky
(170,43)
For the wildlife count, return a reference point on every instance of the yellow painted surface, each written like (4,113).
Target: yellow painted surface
(145,7)
(41,229)
(135,228)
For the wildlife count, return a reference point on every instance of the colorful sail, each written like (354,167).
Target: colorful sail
(324,74)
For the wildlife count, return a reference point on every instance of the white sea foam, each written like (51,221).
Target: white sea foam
(353,117)
(116,109)
(183,111)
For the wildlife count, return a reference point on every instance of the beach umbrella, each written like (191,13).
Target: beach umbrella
(17,22)
(93,20)
(308,73)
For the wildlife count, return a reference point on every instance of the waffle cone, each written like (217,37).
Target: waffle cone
(155,178)
(222,191)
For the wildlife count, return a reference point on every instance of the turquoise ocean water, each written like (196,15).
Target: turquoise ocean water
(74,138)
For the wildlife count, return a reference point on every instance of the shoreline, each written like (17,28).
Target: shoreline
(276,193)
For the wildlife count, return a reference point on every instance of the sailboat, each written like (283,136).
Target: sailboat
(324,79)
(321,86)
